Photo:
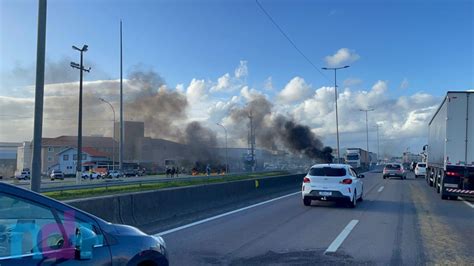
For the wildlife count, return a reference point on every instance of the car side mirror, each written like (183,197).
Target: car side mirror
(361,176)
(86,239)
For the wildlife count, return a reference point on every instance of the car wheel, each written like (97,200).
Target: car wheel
(353,202)
(306,202)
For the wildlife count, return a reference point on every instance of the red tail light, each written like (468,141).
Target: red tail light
(453,174)
(346,181)
(306,180)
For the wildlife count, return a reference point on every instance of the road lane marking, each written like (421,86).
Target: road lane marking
(341,237)
(467,202)
(224,214)
(380,189)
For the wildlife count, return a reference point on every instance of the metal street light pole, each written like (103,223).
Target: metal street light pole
(335,99)
(79,128)
(39,97)
(113,134)
(121,104)
(367,125)
(378,142)
(226,155)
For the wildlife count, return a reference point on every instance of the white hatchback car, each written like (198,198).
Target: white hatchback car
(332,182)
(420,169)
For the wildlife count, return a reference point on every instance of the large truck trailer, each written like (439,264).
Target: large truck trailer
(450,149)
(357,158)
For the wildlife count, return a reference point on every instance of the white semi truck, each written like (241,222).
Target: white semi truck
(450,149)
(357,158)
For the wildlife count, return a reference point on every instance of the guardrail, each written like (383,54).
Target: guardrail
(146,209)
(121,182)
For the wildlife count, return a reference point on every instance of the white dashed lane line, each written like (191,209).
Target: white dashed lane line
(380,189)
(341,237)
(467,202)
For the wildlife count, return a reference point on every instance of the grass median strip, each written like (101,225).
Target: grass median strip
(118,189)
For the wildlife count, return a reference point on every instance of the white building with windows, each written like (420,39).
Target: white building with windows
(67,159)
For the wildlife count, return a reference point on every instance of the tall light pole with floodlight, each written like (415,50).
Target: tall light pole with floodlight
(335,99)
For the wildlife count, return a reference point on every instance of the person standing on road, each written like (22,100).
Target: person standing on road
(208,170)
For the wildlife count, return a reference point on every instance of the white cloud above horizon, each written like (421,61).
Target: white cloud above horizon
(341,57)
(402,117)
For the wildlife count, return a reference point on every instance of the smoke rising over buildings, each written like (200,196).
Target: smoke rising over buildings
(275,130)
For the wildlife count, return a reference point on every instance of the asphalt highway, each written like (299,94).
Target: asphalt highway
(400,222)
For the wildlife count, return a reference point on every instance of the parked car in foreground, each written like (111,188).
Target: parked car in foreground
(420,169)
(56,174)
(394,170)
(332,182)
(37,230)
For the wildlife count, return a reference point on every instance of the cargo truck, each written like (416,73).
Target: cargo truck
(357,158)
(450,149)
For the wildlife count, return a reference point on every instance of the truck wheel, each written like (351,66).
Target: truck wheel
(306,202)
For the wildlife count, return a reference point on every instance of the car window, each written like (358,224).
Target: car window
(352,172)
(327,171)
(393,166)
(421,165)
(23,227)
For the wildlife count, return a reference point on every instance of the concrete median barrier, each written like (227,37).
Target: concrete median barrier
(144,208)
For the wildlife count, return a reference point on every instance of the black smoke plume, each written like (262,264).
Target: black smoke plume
(162,110)
(273,131)
(299,138)
(201,141)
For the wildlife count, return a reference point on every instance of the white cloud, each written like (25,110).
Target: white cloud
(268,84)
(403,119)
(196,90)
(341,57)
(297,89)
(180,88)
(223,83)
(404,84)
(250,94)
(241,71)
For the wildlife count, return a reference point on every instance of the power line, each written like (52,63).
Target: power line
(289,39)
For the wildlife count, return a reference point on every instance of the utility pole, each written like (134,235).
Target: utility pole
(367,126)
(121,104)
(39,96)
(113,134)
(335,99)
(378,142)
(226,155)
(79,127)
(252,141)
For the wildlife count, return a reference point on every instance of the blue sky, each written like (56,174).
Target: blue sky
(430,44)
(427,45)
